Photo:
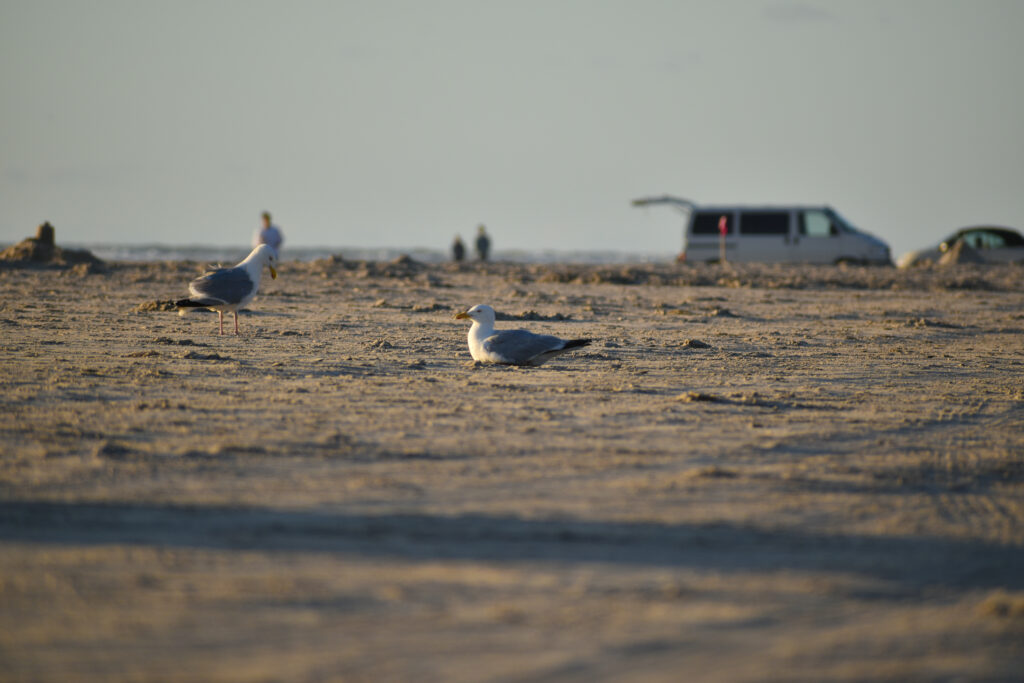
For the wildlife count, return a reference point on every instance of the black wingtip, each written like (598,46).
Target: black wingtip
(187,303)
(576,343)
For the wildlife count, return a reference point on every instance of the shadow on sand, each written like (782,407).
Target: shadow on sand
(909,563)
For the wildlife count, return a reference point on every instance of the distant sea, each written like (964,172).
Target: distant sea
(226,255)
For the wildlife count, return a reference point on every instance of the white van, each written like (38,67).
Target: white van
(773,234)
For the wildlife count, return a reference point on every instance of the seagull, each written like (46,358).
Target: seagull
(228,289)
(511,347)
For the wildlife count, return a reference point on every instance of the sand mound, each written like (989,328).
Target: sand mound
(43,250)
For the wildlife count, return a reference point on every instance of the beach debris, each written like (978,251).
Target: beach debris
(414,308)
(113,450)
(532,315)
(1003,604)
(428,308)
(927,322)
(711,472)
(195,355)
(402,268)
(177,342)
(158,305)
(700,397)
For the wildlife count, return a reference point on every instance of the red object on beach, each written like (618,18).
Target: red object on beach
(723,229)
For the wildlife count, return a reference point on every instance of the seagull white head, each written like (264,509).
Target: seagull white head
(264,255)
(481,314)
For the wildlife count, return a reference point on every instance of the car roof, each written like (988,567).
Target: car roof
(762,207)
(990,228)
(1013,237)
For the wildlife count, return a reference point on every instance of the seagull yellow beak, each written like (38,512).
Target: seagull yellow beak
(273,273)
(462,316)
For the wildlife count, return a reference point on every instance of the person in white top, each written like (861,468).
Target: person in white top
(269,234)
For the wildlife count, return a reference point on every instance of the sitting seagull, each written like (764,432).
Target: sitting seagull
(511,347)
(228,289)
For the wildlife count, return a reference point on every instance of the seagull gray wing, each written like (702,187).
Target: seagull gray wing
(229,285)
(521,346)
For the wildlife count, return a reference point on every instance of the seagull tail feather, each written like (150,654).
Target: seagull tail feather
(186,305)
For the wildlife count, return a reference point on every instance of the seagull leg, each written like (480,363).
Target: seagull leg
(236,321)
(220,319)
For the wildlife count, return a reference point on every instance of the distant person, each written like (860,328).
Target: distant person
(458,249)
(483,243)
(269,234)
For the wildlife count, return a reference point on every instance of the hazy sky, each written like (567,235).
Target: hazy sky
(400,123)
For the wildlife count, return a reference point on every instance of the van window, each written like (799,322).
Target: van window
(816,224)
(764,223)
(706,222)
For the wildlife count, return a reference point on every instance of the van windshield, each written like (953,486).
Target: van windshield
(841,223)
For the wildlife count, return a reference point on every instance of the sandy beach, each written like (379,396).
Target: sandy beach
(758,473)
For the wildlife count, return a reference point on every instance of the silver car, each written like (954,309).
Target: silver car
(993,244)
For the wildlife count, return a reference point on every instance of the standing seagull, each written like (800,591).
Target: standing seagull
(511,347)
(228,289)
